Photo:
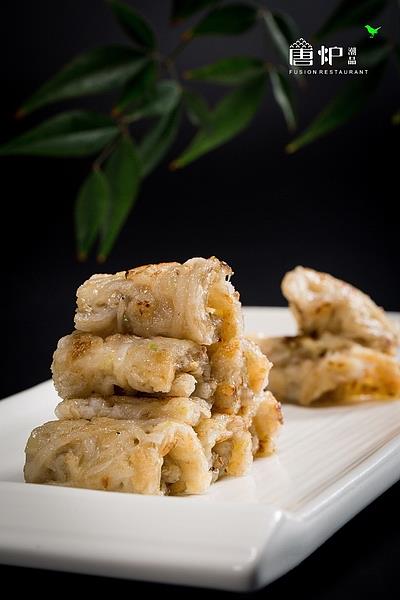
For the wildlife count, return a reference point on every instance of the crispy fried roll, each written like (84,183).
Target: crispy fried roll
(85,365)
(183,410)
(145,457)
(184,301)
(227,444)
(329,369)
(322,304)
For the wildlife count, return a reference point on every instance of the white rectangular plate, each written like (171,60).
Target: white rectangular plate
(244,533)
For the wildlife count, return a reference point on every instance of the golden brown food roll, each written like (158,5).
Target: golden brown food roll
(322,304)
(227,445)
(329,369)
(241,371)
(85,365)
(265,425)
(185,301)
(231,441)
(145,457)
(183,410)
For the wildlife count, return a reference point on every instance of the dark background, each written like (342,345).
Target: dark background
(330,206)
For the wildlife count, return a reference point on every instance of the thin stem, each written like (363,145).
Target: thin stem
(179,48)
(104,154)
(169,60)
(128,119)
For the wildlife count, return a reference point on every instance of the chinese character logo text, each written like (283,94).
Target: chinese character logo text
(328,54)
(301,54)
(352,52)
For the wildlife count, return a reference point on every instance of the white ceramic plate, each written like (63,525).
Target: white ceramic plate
(243,534)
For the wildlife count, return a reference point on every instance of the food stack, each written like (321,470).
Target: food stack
(161,393)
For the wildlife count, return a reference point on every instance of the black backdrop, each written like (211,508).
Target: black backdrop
(330,207)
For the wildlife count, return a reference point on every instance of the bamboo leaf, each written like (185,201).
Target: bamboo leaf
(183,9)
(196,108)
(282,30)
(231,115)
(163,100)
(284,97)
(228,20)
(137,89)
(229,71)
(90,211)
(288,27)
(123,172)
(73,133)
(351,12)
(96,71)
(158,140)
(134,25)
(343,107)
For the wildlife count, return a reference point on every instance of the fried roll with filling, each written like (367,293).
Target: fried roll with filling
(183,410)
(85,365)
(145,457)
(329,369)
(185,301)
(321,303)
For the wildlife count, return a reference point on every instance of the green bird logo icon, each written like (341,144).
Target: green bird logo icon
(373,31)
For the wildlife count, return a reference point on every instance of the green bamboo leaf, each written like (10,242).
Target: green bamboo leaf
(134,25)
(137,89)
(284,97)
(227,20)
(288,26)
(282,30)
(196,108)
(183,9)
(73,133)
(343,107)
(231,115)
(158,140)
(351,13)
(91,208)
(229,71)
(161,101)
(94,72)
(123,172)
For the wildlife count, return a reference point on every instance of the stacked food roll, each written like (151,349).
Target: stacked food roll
(161,392)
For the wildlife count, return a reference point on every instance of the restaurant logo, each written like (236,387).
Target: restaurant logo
(326,60)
